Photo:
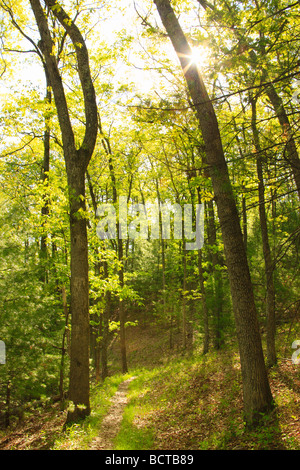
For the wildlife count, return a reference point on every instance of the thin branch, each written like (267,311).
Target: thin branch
(27,144)
(218,98)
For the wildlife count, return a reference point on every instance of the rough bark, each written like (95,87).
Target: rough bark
(256,390)
(203,294)
(122,316)
(76,161)
(204,305)
(63,345)
(120,250)
(218,281)
(269,264)
(103,330)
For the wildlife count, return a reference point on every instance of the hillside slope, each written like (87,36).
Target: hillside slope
(176,401)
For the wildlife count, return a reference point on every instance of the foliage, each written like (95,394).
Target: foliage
(149,148)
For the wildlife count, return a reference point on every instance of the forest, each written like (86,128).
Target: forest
(149,218)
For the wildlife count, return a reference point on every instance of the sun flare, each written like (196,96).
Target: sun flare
(199,56)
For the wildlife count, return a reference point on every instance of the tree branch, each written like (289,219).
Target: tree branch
(70,27)
(46,45)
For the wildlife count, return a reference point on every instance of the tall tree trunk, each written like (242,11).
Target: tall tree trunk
(105,330)
(203,295)
(217,262)
(269,265)
(122,314)
(63,345)
(80,325)
(204,304)
(245,227)
(7,403)
(256,389)
(101,349)
(76,162)
(98,348)
(183,306)
(163,257)
(45,178)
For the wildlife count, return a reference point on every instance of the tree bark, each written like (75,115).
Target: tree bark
(217,276)
(63,345)
(122,317)
(45,179)
(101,349)
(105,330)
(256,390)
(203,294)
(7,404)
(184,293)
(122,314)
(76,161)
(204,305)
(80,326)
(269,265)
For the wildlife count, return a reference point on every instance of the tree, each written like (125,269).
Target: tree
(76,161)
(269,264)
(256,390)
(267,35)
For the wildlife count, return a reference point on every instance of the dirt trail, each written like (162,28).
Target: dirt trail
(112,421)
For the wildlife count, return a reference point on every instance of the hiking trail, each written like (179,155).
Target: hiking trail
(112,421)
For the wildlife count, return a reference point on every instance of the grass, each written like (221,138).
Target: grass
(134,433)
(80,435)
(185,403)
(195,403)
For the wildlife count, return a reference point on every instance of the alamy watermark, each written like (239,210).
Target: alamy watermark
(152,221)
(2,353)
(296,354)
(296,94)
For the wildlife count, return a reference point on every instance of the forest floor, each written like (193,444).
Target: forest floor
(175,402)
(111,423)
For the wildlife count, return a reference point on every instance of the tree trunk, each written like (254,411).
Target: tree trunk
(76,161)
(184,289)
(245,228)
(256,390)
(105,330)
(203,295)
(45,178)
(269,265)
(63,345)
(217,276)
(80,326)
(101,349)
(162,245)
(122,308)
(122,315)
(7,404)
(204,305)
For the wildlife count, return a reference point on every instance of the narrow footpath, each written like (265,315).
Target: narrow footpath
(112,421)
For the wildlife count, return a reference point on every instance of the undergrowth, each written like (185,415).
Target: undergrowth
(79,436)
(182,403)
(195,403)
